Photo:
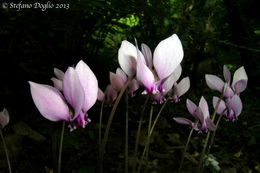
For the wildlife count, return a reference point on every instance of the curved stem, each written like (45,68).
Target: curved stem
(126,135)
(100,135)
(148,136)
(138,133)
(186,146)
(61,144)
(6,152)
(111,116)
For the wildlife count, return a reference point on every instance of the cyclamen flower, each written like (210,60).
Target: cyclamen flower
(110,95)
(232,108)
(201,114)
(238,85)
(4,118)
(80,89)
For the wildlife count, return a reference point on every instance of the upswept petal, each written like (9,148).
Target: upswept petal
(167,56)
(227,74)
(89,83)
(133,86)
(147,55)
(177,73)
(240,86)
(221,107)
(4,118)
(121,74)
(100,95)
(116,81)
(110,95)
(204,107)
(210,125)
(191,108)
(228,92)
(183,121)
(73,91)
(168,83)
(235,104)
(214,82)
(58,73)
(127,57)
(183,86)
(49,102)
(240,74)
(145,76)
(200,116)
(57,83)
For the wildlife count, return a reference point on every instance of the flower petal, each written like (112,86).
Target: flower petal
(89,83)
(58,73)
(235,104)
(183,86)
(210,125)
(228,92)
(214,82)
(183,121)
(204,107)
(240,74)
(191,108)
(147,55)
(100,95)
(167,56)
(4,118)
(145,76)
(133,86)
(177,73)
(73,91)
(127,57)
(168,83)
(121,74)
(116,81)
(110,95)
(49,102)
(240,86)
(57,83)
(221,107)
(227,74)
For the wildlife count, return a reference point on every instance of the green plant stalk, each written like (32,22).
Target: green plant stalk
(61,144)
(207,138)
(186,146)
(6,152)
(111,116)
(126,135)
(148,136)
(100,134)
(138,133)
(151,132)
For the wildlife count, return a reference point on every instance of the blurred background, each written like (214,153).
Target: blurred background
(213,33)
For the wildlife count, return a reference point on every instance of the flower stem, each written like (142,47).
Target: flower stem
(61,144)
(100,134)
(151,132)
(6,152)
(126,135)
(138,132)
(111,116)
(186,146)
(148,136)
(207,138)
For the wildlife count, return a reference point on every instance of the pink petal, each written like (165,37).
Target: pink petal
(168,83)
(49,102)
(121,74)
(204,107)
(89,83)
(110,95)
(240,86)
(4,118)
(227,74)
(167,56)
(210,125)
(192,108)
(228,92)
(221,107)
(116,81)
(100,95)
(177,73)
(144,75)
(133,86)
(199,115)
(183,86)
(58,73)
(57,83)
(127,57)
(240,74)
(147,55)
(214,82)
(73,91)
(183,121)
(235,104)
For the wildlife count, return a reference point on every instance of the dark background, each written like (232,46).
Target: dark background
(213,33)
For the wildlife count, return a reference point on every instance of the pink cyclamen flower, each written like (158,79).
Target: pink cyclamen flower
(80,89)
(201,114)
(232,108)
(4,118)
(238,85)
(109,95)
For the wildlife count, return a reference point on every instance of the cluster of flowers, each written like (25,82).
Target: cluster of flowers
(77,88)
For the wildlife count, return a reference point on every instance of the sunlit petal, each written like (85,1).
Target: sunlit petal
(240,74)
(214,82)
(147,55)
